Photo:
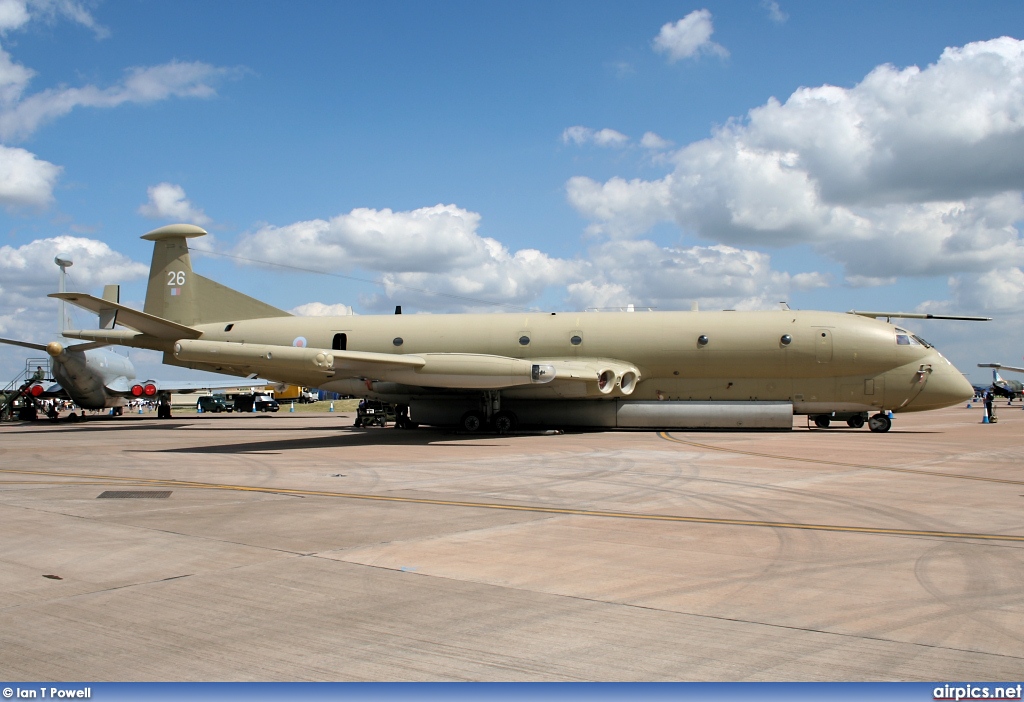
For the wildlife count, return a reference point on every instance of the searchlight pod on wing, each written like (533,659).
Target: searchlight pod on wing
(649,369)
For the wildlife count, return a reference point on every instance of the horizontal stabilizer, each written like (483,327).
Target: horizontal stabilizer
(919,315)
(133,319)
(24,344)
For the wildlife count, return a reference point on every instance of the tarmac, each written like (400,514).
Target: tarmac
(296,547)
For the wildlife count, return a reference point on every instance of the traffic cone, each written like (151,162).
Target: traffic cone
(199,409)
(332,408)
(293,408)
(984,419)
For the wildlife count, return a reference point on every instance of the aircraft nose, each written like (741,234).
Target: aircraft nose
(946,386)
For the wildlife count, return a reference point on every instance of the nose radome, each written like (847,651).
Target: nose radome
(946,386)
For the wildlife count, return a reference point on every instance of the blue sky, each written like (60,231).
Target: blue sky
(541,155)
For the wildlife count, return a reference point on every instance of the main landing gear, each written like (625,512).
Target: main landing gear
(502,421)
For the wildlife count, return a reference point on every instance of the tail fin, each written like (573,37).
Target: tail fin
(179,295)
(996,378)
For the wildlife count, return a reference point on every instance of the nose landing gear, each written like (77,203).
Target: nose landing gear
(880,423)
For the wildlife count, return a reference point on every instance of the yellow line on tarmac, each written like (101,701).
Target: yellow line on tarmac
(531,508)
(826,462)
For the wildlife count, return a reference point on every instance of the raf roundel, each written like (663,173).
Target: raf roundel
(300,341)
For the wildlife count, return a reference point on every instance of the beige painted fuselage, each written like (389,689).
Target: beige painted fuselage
(807,362)
(833,362)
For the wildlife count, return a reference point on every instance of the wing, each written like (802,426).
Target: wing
(438,370)
(999,366)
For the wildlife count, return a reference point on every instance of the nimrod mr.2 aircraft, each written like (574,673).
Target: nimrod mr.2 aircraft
(596,369)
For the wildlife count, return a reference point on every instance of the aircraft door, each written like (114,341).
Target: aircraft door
(823,345)
(340,342)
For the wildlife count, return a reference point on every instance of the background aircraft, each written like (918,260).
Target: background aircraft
(630,369)
(1010,389)
(95,378)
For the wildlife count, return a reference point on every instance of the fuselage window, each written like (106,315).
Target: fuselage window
(228,327)
(576,340)
(397,341)
(524,340)
(340,342)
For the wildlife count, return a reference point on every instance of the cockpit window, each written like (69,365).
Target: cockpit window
(905,338)
(915,337)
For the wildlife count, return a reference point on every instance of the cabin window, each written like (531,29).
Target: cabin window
(228,327)
(340,342)
(576,340)
(786,340)
(524,340)
(702,340)
(397,341)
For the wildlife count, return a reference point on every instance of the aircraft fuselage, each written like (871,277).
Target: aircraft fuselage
(819,361)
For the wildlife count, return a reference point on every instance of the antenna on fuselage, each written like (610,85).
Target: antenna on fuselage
(64,262)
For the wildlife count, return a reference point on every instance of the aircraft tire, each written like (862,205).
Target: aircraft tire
(880,423)
(822,422)
(855,422)
(505,422)
(471,422)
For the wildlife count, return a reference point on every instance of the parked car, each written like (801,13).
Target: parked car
(213,403)
(263,403)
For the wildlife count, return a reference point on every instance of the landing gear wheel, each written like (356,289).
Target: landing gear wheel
(822,422)
(856,422)
(471,421)
(505,422)
(880,423)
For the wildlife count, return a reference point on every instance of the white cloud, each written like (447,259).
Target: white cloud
(25,180)
(688,37)
(320,309)
(435,249)
(14,78)
(910,172)
(775,13)
(30,270)
(580,135)
(168,201)
(141,85)
(810,281)
(52,10)
(652,141)
(648,275)
(621,208)
(13,15)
